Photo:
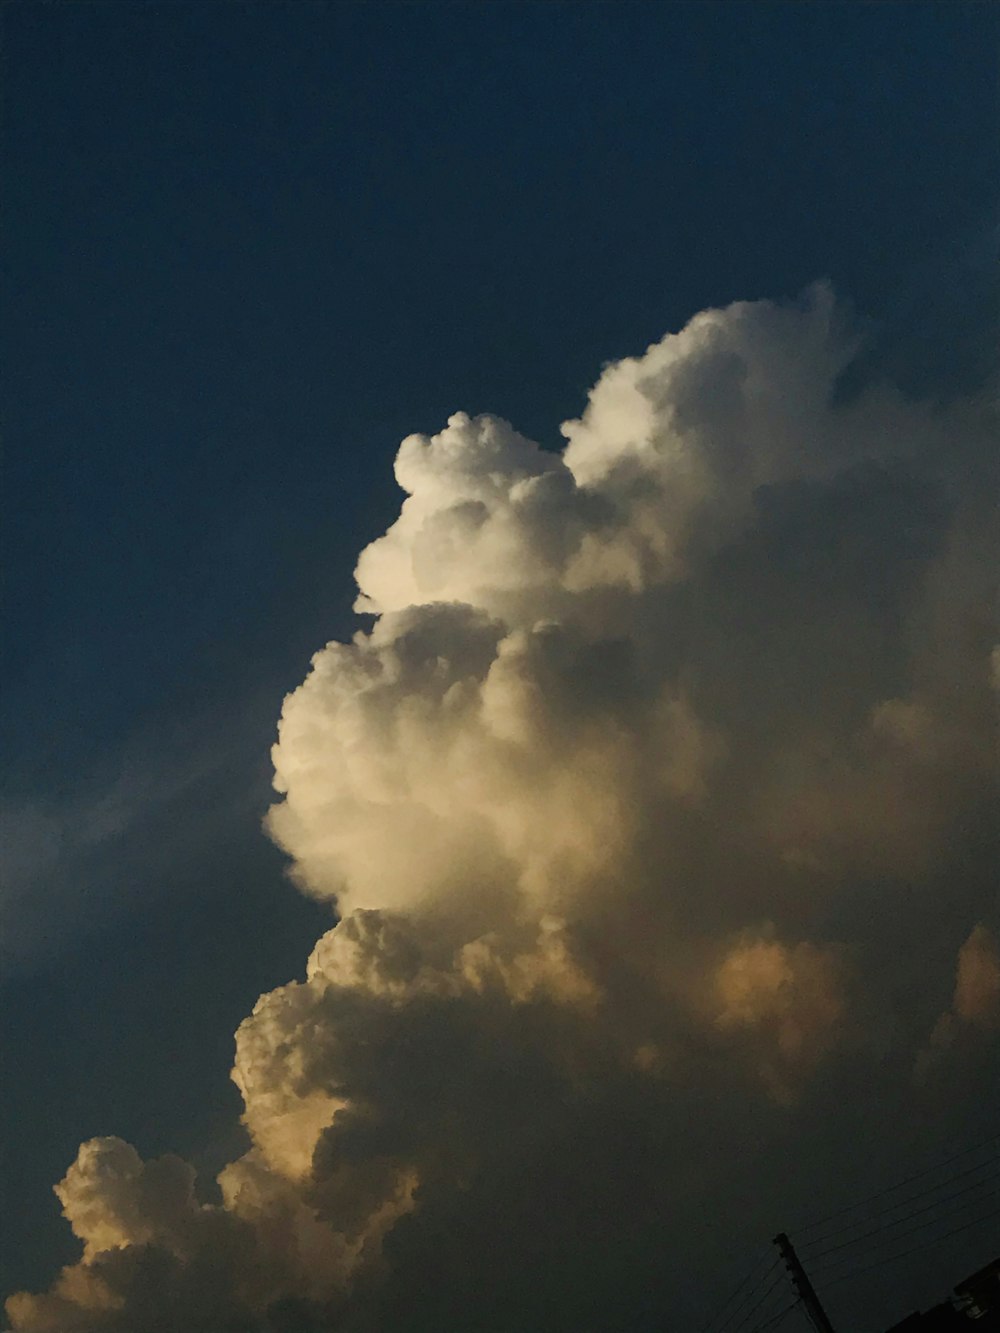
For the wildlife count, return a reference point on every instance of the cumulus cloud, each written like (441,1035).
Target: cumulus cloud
(617,794)
(974,1013)
(977,985)
(791,995)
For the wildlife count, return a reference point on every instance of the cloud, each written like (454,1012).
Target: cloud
(974,1013)
(977,985)
(74,861)
(616,796)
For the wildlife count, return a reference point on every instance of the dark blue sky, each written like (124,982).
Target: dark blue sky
(247,249)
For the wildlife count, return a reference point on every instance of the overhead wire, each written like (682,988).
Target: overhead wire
(835,1273)
(936,1205)
(911,1198)
(736,1291)
(775,1319)
(778,1276)
(741,1308)
(810,1225)
(836,1278)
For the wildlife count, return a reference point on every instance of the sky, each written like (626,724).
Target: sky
(646,756)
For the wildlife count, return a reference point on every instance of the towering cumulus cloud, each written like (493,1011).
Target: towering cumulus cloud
(658,777)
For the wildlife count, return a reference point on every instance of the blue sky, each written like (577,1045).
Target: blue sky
(250,247)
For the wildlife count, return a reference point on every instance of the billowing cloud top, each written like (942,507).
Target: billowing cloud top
(637,801)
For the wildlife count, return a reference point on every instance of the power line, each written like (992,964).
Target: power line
(910,1198)
(891,1189)
(921,1226)
(890,1229)
(924,1244)
(775,1319)
(736,1291)
(746,1314)
(778,1277)
(889,1226)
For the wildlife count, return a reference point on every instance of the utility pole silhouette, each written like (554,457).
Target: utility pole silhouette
(803,1286)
